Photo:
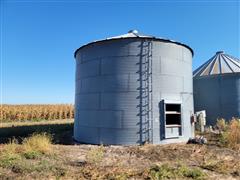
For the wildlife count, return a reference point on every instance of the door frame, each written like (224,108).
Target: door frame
(162,120)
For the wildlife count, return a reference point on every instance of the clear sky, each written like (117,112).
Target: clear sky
(38,38)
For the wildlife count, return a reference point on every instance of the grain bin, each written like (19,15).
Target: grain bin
(132,89)
(216,87)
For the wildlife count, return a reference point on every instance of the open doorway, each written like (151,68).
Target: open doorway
(171,121)
(173,114)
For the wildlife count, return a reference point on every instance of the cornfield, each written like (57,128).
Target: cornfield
(36,112)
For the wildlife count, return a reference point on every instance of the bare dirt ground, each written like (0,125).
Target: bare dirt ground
(216,162)
(132,162)
(172,161)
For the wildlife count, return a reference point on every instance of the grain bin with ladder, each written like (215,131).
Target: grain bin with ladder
(132,89)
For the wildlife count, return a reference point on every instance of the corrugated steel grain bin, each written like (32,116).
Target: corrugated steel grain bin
(217,87)
(133,89)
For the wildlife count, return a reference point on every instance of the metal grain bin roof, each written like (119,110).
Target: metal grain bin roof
(135,34)
(220,63)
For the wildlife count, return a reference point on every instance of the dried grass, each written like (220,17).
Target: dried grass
(230,136)
(41,143)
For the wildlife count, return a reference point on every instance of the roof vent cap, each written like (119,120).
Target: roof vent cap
(219,52)
(134,31)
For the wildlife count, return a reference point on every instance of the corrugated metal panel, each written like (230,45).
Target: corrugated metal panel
(119,136)
(87,101)
(120,101)
(108,119)
(120,65)
(83,69)
(218,95)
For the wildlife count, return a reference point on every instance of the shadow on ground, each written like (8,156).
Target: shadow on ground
(61,133)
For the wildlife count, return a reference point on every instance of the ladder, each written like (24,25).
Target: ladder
(146,93)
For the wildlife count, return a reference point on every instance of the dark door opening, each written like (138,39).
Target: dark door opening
(173,123)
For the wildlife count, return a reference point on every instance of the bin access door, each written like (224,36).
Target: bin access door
(170,120)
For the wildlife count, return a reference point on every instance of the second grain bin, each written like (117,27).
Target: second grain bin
(217,87)
(132,89)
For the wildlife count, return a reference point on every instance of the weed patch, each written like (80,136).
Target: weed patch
(221,125)
(19,157)
(95,156)
(221,166)
(230,137)
(37,143)
(9,155)
(9,160)
(32,154)
(166,171)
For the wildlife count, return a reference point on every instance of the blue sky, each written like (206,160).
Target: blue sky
(38,38)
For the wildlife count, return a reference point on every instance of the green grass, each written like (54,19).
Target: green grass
(33,155)
(166,171)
